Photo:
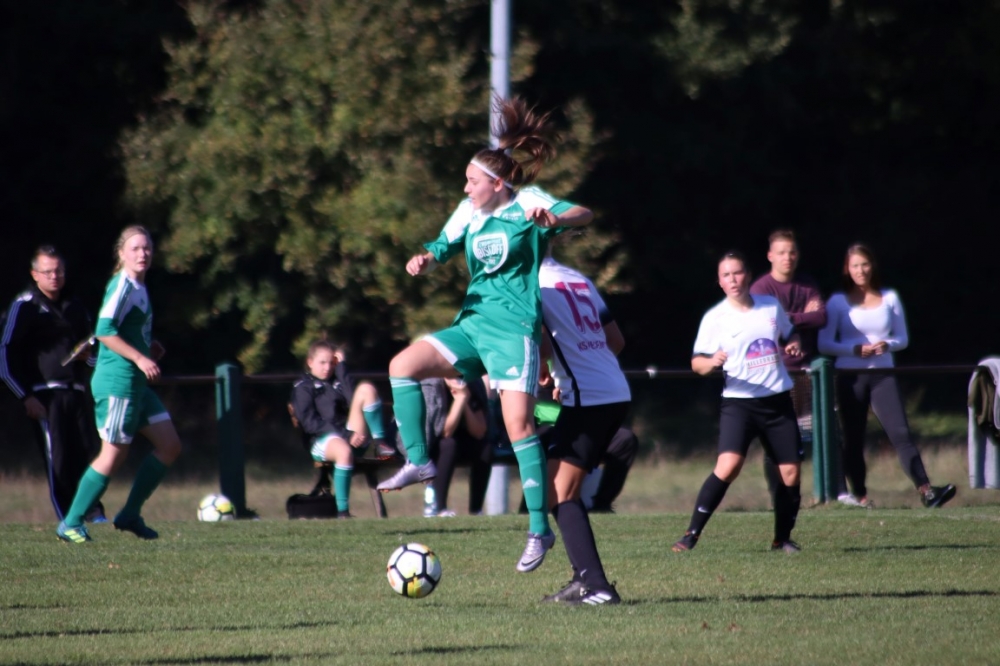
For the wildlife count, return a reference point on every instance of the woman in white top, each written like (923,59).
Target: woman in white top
(583,341)
(864,326)
(742,335)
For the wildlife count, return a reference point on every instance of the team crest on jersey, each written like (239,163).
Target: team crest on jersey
(491,250)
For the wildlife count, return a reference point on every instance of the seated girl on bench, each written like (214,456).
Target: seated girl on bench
(338,420)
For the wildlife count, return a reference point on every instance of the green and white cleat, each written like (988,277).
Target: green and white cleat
(77,534)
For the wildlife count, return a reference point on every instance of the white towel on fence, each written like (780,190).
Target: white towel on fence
(984,456)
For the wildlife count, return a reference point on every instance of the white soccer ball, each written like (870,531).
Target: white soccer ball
(213,508)
(414,570)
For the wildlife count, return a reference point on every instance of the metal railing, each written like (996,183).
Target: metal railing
(229,379)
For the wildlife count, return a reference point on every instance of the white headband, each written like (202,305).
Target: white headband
(485,169)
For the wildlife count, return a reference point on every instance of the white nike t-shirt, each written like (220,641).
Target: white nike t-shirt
(753,367)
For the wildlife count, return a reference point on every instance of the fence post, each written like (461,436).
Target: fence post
(229,417)
(831,433)
(819,377)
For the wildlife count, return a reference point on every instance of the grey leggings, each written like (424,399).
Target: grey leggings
(855,393)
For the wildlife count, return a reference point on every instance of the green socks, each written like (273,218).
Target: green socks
(150,473)
(90,489)
(342,486)
(373,417)
(534,482)
(411,412)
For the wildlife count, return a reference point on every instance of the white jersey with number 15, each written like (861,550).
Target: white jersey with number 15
(585,370)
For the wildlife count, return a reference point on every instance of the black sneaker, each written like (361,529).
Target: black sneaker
(936,496)
(343,515)
(687,542)
(136,525)
(570,591)
(590,597)
(789,546)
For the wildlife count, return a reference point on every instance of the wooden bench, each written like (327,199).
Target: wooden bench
(369,467)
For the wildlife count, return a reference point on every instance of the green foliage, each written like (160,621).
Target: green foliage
(303,152)
(719,39)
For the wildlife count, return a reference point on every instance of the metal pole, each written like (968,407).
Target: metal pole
(496,492)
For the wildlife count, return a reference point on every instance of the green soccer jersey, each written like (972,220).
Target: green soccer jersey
(504,251)
(127,313)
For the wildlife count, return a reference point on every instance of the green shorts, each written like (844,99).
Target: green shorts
(318,450)
(476,345)
(119,418)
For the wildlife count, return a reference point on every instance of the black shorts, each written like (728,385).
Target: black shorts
(772,419)
(581,435)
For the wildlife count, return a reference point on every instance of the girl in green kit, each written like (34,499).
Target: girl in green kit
(503,227)
(124,403)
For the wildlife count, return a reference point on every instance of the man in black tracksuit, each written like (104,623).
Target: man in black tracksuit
(42,327)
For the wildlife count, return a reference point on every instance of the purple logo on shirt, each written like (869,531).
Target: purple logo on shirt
(762,352)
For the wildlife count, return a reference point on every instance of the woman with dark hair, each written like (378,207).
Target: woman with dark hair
(865,325)
(743,336)
(503,227)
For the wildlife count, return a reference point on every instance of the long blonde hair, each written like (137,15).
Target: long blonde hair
(523,133)
(127,233)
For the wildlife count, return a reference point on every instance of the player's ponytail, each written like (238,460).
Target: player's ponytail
(525,140)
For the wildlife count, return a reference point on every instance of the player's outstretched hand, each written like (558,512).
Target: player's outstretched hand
(420,264)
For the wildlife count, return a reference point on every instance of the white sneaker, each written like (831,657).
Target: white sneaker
(848,499)
(534,551)
(446,513)
(409,474)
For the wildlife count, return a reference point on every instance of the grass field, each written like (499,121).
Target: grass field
(896,585)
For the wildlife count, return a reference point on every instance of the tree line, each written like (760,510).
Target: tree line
(289,156)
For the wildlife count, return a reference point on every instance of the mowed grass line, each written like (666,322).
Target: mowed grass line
(888,586)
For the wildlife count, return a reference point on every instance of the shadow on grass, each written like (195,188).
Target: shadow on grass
(107,632)
(445,530)
(943,546)
(242,659)
(453,650)
(763,598)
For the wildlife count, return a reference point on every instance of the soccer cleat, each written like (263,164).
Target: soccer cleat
(687,542)
(384,450)
(534,551)
(136,525)
(588,597)
(76,534)
(409,474)
(570,591)
(848,499)
(344,515)
(445,513)
(789,546)
(936,496)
